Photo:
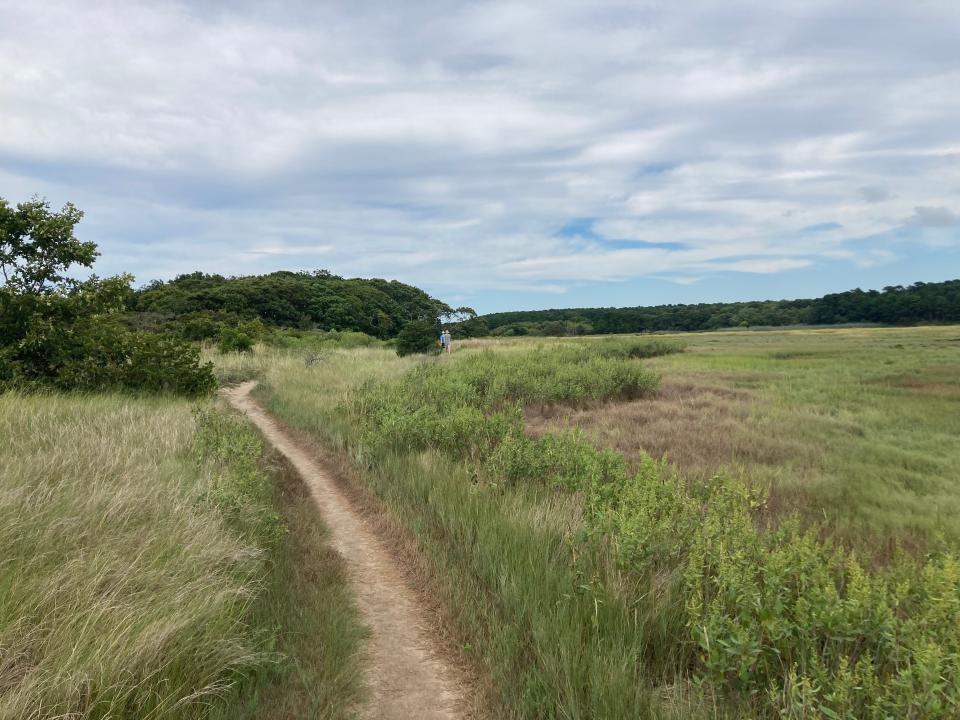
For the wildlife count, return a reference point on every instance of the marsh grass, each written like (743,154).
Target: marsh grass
(525,599)
(648,594)
(860,424)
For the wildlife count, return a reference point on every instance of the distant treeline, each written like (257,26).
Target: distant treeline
(285,299)
(896,305)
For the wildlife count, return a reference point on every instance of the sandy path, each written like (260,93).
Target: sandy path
(406,674)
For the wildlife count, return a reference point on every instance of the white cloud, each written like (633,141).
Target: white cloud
(447,145)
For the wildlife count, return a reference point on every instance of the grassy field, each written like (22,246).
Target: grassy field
(147,571)
(859,427)
(742,579)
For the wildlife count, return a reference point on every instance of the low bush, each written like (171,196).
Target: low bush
(790,624)
(99,353)
(319,339)
(418,337)
(233,340)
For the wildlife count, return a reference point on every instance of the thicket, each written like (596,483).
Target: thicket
(468,407)
(60,332)
(779,621)
(418,337)
(894,305)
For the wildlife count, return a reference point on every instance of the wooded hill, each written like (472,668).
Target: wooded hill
(293,299)
(895,305)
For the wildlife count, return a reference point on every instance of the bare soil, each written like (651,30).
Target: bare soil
(407,673)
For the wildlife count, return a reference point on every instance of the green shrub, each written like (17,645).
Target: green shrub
(787,622)
(77,340)
(470,406)
(163,363)
(567,461)
(418,337)
(233,340)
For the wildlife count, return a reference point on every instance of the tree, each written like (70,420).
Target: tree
(37,246)
(62,332)
(458,315)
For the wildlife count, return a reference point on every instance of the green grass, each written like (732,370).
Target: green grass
(584,585)
(145,568)
(552,640)
(879,408)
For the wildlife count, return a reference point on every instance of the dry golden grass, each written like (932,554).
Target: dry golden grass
(123,593)
(696,422)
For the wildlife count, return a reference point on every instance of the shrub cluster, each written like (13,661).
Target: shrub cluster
(471,405)
(75,342)
(639,349)
(418,337)
(793,624)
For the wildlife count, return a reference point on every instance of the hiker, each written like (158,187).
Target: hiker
(446,340)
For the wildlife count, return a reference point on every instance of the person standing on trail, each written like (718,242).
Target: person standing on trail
(446,340)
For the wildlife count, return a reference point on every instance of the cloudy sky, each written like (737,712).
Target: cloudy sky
(502,155)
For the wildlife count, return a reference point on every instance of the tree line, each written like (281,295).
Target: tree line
(56,330)
(894,305)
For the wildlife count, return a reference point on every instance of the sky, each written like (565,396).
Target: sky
(501,155)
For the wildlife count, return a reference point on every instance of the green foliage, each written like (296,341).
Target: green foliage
(566,461)
(780,621)
(319,339)
(789,623)
(301,300)
(240,489)
(68,334)
(469,406)
(37,246)
(77,341)
(418,337)
(917,303)
(233,340)
(639,349)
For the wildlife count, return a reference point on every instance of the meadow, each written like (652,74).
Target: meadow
(760,525)
(158,563)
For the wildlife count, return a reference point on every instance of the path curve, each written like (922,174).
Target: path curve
(407,674)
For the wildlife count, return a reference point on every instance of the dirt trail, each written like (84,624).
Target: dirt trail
(406,673)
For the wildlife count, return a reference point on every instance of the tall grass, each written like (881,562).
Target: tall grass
(140,545)
(553,639)
(587,589)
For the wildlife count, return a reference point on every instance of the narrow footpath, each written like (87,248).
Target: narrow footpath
(407,674)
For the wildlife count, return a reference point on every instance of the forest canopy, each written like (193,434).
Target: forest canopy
(294,299)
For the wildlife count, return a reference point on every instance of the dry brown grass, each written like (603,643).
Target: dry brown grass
(701,425)
(935,380)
